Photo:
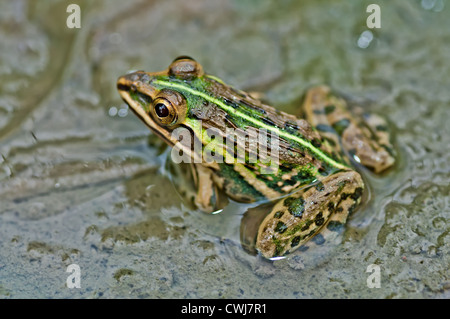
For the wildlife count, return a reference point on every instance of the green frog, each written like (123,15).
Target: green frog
(241,148)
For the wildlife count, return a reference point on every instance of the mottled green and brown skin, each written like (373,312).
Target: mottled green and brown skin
(315,186)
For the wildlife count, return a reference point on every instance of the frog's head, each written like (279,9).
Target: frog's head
(162,99)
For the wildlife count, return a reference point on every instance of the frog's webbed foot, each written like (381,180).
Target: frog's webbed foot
(363,136)
(309,212)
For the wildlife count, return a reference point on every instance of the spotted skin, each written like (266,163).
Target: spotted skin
(362,135)
(332,199)
(299,217)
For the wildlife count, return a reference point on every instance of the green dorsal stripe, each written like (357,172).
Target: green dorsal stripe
(255,121)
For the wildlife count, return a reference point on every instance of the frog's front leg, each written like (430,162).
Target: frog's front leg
(208,197)
(299,217)
(195,183)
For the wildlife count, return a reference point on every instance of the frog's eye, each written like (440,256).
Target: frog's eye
(185,67)
(169,108)
(161,110)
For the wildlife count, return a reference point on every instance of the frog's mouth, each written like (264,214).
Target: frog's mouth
(131,84)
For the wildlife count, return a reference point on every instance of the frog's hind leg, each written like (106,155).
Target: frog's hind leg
(364,136)
(329,233)
(326,240)
(299,217)
(379,127)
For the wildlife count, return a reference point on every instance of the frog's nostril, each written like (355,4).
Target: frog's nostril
(122,87)
(130,77)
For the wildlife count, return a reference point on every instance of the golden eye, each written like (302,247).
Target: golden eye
(169,108)
(163,111)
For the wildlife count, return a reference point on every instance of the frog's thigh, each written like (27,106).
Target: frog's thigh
(297,218)
(364,136)
(316,107)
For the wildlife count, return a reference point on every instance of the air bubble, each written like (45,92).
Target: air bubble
(112,111)
(365,39)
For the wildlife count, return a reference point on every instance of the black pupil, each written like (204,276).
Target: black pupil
(161,110)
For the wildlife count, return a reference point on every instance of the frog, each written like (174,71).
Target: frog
(311,180)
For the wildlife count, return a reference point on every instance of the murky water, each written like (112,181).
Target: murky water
(81,184)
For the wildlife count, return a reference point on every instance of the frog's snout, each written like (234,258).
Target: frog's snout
(130,81)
